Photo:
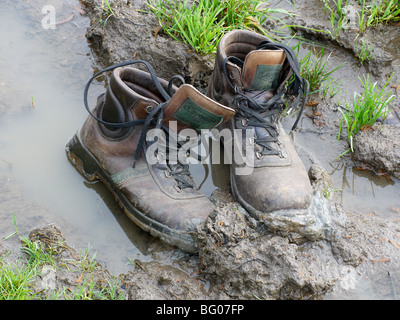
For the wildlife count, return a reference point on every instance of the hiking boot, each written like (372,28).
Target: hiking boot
(128,140)
(251,75)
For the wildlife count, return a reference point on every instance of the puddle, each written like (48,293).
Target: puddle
(44,72)
(50,68)
(41,85)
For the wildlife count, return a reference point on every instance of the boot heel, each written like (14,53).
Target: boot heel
(81,159)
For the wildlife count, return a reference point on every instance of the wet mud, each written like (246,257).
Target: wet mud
(244,259)
(334,252)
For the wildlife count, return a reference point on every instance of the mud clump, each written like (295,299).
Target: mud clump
(245,261)
(132,34)
(155,281)
(379,148)
(303,256)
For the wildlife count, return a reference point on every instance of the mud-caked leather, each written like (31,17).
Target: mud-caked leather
(272,177)
(147,191)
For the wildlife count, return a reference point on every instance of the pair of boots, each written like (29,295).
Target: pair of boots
(137,136)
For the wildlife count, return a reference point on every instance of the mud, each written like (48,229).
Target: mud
(370,147)
(379,148)
(138,36)
(337,255)
(240,258)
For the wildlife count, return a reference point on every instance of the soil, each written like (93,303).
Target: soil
(321,254)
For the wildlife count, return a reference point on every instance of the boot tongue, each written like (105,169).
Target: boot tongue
(192,109)
(262,69)
(260,79)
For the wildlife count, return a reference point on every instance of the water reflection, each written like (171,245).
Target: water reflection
(41,84)
(363,190)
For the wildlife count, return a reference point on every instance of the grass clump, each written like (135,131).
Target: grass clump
(15,282)
(37,254)
(19,281)
(364,52)
(383,11)
(371,15)
(202,23)
(337,10)
(313,67)
(107,12)
(365,109)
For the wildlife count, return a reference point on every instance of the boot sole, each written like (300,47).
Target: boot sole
(89,167)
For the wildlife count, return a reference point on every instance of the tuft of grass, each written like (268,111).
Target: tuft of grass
(383,11)
(197,25)
(15,282)
(362,18)
(202,23)
(37,254)
(364,52)
(331,87)
(107,12)
(88,263)
(314,68)
(338,13)
(365,110)
(378,12)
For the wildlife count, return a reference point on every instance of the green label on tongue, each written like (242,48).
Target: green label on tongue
(266,77)
(196,117)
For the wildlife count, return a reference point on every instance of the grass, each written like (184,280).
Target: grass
(37,254)
(314,69)
(331,87)
(198,26)
(365,52)
(377,12)
(107,12)
(338,13)
(383,11)
(365,109)
(362,21)
(201,24)
(17,281)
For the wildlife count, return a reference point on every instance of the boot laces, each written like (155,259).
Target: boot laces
(177,170)
(263,115)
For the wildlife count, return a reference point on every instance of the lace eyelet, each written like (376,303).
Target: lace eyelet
(259,155)
(149,109)
(167,174)
(160,156)
(245,122)
(177,188)
(252,141)
(237,90)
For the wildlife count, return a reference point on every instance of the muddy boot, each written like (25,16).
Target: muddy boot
(131,143)
(251,75)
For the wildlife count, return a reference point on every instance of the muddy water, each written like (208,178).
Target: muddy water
(43,72)
(359,189)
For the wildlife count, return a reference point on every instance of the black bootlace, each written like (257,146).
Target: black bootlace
(179,171)
(265,114)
